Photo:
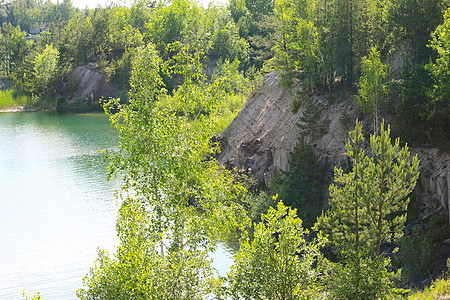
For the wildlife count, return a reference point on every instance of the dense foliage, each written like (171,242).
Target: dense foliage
(369,203)
(279,262)
(372,88)
(299,187)
(175,202)
(317,43)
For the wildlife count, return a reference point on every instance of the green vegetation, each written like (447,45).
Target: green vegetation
(317,45)
(440,289)
(182,72)
(180,201)
(8,99)
(278,262)
(372,88)
(109,37)
(424,110)
(368,204)
(259,202)
(299,187)
(368,207)
(419,245)
(45,72)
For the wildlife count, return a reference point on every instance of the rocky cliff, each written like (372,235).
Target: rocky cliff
(261,137)
(85,86)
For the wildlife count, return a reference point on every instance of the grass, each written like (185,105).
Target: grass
(228,111)
(9,100)
(440,289)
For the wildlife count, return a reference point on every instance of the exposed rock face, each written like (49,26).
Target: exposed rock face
(264,133)
(261,137)
(433,185)
(88,86)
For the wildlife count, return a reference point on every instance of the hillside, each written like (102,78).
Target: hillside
(261,137)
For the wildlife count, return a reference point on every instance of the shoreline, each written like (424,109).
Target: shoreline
(17,109)
(59,109)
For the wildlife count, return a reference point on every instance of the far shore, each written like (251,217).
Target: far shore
(18,109)
(60,109)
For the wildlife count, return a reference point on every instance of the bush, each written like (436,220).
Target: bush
(440,289)
(278,263)
(368,280)
(259,203)
(11,99)
(417,119)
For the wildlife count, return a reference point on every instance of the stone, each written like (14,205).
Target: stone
(265,130)
(90,85)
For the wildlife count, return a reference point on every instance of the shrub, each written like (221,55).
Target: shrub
(259,203)
(416,253)
(278,262)
(9,99)
(368,279)
(440,289)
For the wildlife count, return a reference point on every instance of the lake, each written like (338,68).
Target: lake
(56,205)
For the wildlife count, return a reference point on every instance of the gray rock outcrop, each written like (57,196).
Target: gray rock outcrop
(433,185)
(87,86)
(260,138)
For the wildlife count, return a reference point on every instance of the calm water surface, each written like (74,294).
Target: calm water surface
(56,205)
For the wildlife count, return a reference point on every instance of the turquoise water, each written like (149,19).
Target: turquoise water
(56,205)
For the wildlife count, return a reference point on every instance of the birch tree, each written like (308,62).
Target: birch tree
(372,89)
(175,200)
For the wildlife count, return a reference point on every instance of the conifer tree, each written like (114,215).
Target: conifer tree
(299,187)
(368,206)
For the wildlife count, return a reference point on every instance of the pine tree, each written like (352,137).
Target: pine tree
(299,187)
(368,207)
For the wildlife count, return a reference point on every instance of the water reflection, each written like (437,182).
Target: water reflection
(223,256)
